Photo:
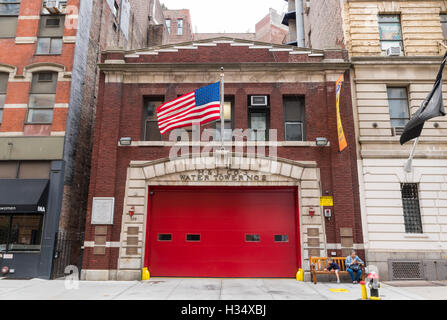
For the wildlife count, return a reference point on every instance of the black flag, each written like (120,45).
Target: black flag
(432,107)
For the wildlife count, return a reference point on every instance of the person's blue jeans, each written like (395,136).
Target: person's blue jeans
(357,276)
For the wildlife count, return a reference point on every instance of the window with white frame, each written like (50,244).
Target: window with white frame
(390,32)
(398,105)
(168,24)
(180,27)
(42,98)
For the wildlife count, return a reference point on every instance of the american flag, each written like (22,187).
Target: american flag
(198,107)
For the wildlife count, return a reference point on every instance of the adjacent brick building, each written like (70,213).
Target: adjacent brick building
(48,87)
(395,49)
(137,193)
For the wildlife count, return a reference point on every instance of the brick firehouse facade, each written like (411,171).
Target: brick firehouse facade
(255,214)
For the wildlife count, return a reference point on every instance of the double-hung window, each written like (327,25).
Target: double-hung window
(151,132)
(51,31)
(180,27)
(399,111)
(168,25)
(42,98)
(294,118)
(9,13)
(258,117)
(3,85)
(390,32)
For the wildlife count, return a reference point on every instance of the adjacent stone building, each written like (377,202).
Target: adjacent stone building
(48,87)
(395,49)
(255,213)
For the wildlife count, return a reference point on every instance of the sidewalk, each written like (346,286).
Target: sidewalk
(205,289)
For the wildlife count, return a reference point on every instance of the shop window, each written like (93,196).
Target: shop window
(258,117)
(443,18)
(281,238)
(399,111)
(193,237)
(294,118)
(3,85)
(50,34)
(180,27)
(390,32)
(151,132)
(42,98)
(9,12)
(252,238)
(410,203)
(165,237)
(228,121)
(20,232)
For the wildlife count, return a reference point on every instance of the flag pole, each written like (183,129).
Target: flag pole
(408,163)
(222,115)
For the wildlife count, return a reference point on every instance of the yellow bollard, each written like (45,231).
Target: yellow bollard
(364,291)
(300,275)
(375,298)
(145,275)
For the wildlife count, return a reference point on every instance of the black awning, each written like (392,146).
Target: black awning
(288,16)
(23,195)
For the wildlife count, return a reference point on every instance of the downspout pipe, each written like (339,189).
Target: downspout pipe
(300,38)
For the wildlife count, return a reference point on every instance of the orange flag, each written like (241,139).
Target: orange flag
(342,143)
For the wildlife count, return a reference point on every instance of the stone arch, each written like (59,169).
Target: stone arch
(46,66)
(281,172)
(7,68)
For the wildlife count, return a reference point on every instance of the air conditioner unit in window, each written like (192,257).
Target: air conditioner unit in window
(258,101)
(53,6)
(397,131)
(393,51)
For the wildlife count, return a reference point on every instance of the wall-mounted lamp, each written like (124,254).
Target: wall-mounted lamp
(321,141)
(125,141)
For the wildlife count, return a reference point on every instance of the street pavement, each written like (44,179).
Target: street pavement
(206,289)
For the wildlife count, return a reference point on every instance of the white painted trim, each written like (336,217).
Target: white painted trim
(109,244)
(237,44)
(11,134)
(15,106)
(167,50)
(205,44)
(227,143)
(29,17)
(186,47)
(281,50)
(69,39)
(115,61)
(316,55)
(57,133)
(26,40)
(61,105)
(260,47)
(300,52)
(223,41)
(148,53)
(132,56)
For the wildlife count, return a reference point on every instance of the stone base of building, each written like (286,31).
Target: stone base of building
(409,265)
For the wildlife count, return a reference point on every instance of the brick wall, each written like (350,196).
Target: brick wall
(174,16)
(120,110)
(324,22)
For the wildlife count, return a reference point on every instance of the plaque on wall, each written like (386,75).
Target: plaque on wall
(102,210)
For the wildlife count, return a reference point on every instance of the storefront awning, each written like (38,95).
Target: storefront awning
(23,195)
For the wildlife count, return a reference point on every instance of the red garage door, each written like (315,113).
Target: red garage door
(222,232)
